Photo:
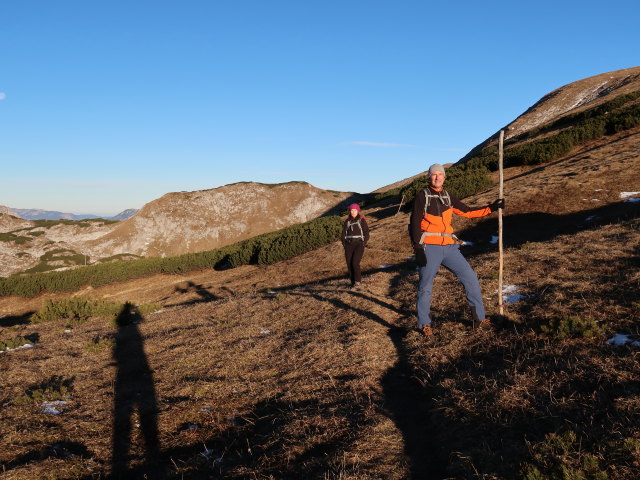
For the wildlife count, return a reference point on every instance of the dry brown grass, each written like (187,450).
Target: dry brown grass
(283,372)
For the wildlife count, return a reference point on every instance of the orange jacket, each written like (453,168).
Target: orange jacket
(437,219)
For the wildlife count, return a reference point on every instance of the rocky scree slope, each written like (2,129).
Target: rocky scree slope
(176,223)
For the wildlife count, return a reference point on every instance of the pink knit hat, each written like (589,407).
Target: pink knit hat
(354,205)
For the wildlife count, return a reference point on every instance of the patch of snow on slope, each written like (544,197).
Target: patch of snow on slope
(620,340)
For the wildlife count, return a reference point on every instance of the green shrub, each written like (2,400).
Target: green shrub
(573,327)
(11,237)
(564,134)
(462,180)
(54,388)
(13,343)
(562,457)
(119,256)
(100,343)
(75,310)
(79,310)
(68,257)
(264,249)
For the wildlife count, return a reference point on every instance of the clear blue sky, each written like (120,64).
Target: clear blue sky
(107,105)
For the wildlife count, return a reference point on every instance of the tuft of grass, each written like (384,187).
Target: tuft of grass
(54,388)
(100,343)
(561,457)
(573,327)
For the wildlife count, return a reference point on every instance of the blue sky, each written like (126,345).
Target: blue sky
(107,105)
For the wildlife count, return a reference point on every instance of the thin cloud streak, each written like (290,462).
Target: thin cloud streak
(378,144)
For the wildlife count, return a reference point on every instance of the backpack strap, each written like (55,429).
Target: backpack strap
(350,226)
(445,198)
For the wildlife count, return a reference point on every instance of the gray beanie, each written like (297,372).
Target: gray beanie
(436,167)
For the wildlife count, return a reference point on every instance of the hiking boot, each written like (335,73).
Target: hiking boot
(426,331)
(484,324)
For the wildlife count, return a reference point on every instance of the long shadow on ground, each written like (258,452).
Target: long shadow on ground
(405,401)
(133,390)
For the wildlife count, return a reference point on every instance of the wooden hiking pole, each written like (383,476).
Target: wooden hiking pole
(501,195)
(401,202)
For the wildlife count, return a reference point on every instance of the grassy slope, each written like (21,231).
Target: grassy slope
(317,381)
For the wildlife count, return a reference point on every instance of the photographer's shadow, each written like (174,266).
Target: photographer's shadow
(134,390)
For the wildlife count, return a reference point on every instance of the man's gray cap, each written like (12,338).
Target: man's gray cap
(436,167)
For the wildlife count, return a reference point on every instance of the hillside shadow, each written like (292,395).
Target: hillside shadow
(245,448)
(405,265)
(13,320)
(492,441)
(541,227)
(134,393)
(404,401)
(341,207)
(58,450)
(204,295)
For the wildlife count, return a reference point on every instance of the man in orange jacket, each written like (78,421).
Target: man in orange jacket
(435,244)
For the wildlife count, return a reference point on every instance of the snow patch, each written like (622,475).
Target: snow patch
(628,194)
(53,408)
(26,345)
(386,266)
(264,331)
(509,294)
(620,340)
(632,200)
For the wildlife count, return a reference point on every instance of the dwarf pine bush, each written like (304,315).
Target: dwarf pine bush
(562,135)
(562,457)
(573,327)
(54,388)
(75,310)
(462,180)
(13,343)
(261,250)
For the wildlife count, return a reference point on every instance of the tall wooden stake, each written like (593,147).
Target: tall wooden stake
(401,202)
(500,253)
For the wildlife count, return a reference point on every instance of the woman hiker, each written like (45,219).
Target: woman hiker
(355,235)
(435,244)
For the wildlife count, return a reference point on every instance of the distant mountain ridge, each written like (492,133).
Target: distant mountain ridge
(40,214)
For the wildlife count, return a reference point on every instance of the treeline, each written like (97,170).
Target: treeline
(462,180)
(560,137)
(261,250)
(619,114)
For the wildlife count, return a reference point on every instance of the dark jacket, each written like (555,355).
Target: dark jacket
(356,228)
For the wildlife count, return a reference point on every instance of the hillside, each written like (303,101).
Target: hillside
(176,223)
(564,102)
(281,371)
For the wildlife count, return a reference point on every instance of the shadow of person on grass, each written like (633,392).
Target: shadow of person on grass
(134,390)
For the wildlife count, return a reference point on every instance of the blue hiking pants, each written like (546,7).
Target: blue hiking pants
(450,257)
